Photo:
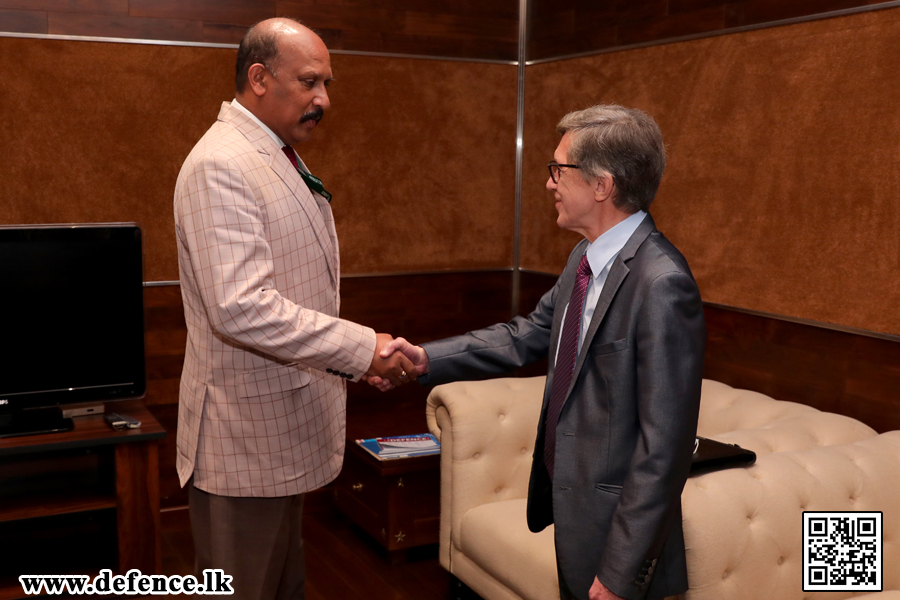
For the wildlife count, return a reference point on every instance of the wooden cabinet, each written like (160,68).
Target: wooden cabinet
(80,501)
(397,501)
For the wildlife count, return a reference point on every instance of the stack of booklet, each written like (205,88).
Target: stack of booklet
(403,446)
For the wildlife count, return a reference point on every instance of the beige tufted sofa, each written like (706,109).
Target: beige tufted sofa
(742,526)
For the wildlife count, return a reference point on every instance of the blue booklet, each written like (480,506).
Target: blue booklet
(401,446)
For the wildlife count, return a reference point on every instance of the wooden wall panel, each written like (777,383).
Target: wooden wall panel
(469,29)
(93,133)
(837,371)
(24,21)
(832,370)
(563,27)
(846,372)
(782,179)
(418,307)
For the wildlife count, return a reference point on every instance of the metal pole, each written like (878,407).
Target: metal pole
(520,127)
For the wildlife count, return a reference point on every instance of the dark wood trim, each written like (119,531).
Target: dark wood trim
(92,431)
(820,324)
(724,30)
(852,372)
(551,278)
(481,31)
(137,507)
(834,368)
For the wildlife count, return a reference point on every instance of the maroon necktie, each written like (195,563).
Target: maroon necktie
(565,360)
(291,156)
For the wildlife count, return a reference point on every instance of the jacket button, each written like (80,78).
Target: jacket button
(653,563)
(646,578)
(330,371)
(643,586)
(350,376)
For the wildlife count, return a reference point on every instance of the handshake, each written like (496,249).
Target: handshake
(396,362)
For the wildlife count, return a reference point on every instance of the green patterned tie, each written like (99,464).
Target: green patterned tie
(312,182)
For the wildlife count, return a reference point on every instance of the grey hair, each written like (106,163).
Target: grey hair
(624,142)
(259,45)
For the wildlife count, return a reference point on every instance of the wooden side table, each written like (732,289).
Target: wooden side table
(110,478)
(396,501)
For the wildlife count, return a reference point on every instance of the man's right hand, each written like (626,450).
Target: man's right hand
(389,368)
(400,347)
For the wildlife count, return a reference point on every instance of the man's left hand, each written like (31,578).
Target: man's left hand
(599,591)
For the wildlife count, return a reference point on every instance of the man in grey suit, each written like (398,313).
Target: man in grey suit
(624,330)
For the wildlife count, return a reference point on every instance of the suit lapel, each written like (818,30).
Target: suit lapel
(328,218)
(617,274)
(317,209)
(319,216)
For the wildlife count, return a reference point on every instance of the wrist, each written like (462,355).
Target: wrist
(425,367)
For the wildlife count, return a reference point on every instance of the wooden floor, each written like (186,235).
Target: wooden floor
(342,561)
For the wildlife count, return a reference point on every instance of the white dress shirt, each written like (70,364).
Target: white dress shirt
(271,133)
(601,255)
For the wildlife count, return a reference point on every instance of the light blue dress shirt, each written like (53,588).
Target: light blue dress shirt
(601,255)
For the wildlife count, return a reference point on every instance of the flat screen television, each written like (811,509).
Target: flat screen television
(71,305)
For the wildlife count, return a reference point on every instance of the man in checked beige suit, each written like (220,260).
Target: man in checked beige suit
(263,392)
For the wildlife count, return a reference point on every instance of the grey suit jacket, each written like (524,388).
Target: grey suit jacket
(625,436)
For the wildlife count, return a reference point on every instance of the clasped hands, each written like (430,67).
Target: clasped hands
(396,362)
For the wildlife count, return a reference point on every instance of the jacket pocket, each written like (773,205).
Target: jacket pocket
(609,488)
(272,381)
(610,347)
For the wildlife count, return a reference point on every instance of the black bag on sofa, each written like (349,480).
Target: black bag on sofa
(710,455)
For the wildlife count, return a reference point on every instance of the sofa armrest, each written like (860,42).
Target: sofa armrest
(487,432)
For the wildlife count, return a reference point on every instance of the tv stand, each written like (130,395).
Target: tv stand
(81,501)
(33,422)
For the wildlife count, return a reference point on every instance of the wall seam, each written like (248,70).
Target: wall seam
(520,131)
(149,42)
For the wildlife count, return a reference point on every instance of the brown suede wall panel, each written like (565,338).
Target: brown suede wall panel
(420,156)
(783,176)
(97,132)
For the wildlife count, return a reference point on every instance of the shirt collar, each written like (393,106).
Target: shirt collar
(610,243)
(256,120)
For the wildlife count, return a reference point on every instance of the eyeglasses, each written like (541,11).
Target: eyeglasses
(554,169)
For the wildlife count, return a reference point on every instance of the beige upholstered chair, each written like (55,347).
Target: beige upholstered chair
(742,526)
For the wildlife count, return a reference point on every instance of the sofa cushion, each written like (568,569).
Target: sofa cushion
(743,527)
(496,537)
(764,425)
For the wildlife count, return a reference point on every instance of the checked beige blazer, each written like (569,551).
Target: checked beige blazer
(263,391)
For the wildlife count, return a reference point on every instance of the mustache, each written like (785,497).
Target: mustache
(317,113)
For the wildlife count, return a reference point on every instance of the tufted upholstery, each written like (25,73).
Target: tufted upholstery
(743,527)
(756,422)
(738,523)
(487,435)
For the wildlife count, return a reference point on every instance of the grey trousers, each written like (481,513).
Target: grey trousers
(254,540)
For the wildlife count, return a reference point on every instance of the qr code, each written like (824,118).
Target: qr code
(842,551)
